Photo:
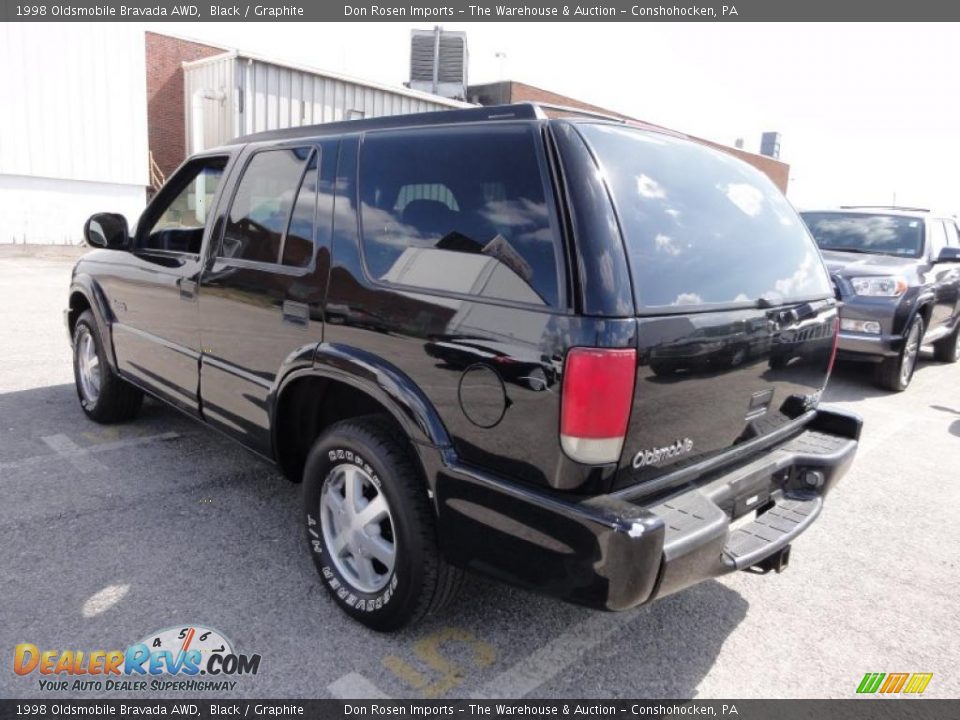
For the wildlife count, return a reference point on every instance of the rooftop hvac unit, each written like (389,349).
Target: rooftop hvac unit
(438,62)
(770,144)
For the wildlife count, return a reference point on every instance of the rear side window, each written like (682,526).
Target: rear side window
(440,193)
(274,204)
(460,211)
(702,228)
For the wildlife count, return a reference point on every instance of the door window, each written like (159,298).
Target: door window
(298,243)
(275,203)
(179,228)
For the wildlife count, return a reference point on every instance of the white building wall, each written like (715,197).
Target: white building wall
(73,132)
(52,211)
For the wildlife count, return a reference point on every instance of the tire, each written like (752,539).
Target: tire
(947,350)
(778,362)
(384,595)
(896,373)
(738,356)
(104,396)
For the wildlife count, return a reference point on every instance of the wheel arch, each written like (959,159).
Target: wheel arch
(345,382)
(85,295)
(924,310)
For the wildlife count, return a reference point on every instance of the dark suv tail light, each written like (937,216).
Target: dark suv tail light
(836,343)
(595,403)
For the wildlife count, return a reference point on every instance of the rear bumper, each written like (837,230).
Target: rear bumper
(614,553)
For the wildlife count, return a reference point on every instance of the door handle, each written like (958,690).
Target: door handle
(188,288)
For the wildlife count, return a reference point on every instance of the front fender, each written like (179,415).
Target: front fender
(925,298)
(85,286)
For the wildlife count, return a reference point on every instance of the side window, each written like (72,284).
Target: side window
(461,211)
(298,244)
(953,240)
(938,237)
(262,207)
(180,226)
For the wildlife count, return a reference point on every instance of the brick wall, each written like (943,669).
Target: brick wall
(776,170)
(165,110)
(513,92)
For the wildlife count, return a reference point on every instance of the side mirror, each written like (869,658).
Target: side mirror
(949,255)
(107,230)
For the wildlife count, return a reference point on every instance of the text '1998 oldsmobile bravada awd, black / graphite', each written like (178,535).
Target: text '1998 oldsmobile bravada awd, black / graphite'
(576,355)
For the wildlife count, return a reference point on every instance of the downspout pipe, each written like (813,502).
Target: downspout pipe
(196,114)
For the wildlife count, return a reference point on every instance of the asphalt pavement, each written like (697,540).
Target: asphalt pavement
(109,534)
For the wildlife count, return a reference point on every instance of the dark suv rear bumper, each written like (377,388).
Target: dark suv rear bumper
(613,553)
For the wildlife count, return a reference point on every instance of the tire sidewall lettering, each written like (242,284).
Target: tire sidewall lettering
(354,599)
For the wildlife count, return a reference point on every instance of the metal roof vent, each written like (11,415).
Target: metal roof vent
(438,62)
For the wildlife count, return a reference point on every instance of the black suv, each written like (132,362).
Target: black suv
(897,273)
(446,326)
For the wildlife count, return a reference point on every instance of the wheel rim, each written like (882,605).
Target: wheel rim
(910,352)
(88,366)
(358,528)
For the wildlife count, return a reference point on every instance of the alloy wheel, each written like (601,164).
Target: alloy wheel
(88,365)
(358,528)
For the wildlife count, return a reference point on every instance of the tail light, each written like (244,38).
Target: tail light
(595,403)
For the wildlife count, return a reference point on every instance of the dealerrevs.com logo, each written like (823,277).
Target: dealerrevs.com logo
(187,658)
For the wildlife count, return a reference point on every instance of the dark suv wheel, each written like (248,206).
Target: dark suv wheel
(948,349)
(896,373)
(371,527)
(104,396)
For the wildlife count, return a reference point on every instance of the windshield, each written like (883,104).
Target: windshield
(859,232)
(701,227)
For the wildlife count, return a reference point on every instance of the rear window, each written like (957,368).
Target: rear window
(702,228)
(862,233)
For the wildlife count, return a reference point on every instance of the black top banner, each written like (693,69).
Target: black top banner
(481,11)
(49,707)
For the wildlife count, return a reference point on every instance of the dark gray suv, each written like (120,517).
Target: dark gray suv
(897,272)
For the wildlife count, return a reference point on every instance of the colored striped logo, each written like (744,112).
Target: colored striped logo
(894,683)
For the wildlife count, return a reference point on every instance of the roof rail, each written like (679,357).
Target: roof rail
(479,113)
(884,207)
(576,111)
